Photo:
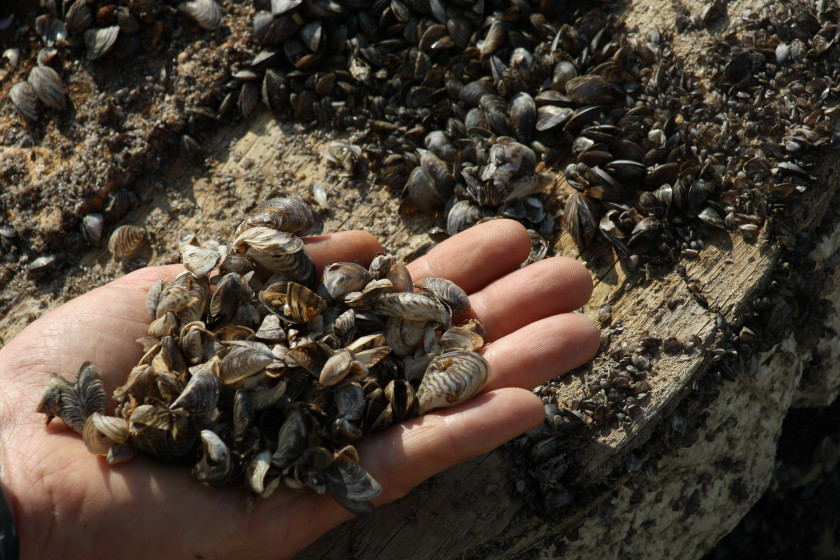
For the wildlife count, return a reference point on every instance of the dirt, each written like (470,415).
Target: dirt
(119,150)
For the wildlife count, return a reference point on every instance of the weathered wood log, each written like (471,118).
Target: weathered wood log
(670,483)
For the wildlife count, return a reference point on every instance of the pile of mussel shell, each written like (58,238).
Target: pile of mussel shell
(266,373)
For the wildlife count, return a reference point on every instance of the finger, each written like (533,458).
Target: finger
(541,351)
(409,453)
(542,289)
(345,246)
(476,256)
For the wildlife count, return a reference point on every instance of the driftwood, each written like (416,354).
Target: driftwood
(666,485)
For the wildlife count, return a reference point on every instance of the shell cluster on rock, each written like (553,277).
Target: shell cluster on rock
(267,373)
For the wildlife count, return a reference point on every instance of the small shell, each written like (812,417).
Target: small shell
(403,336)
(414,307)
(99,41)
(291,439)
(173,299)
(226,298)
(48,87)
(215,466)
(103,432)
(25,100)
(312,356)
(79,16)
(198,260)
(589,90)
(153,297)
(449,293)
(244,360)
(336,368)
(400,278)
(126,240)
(288,215)
(343,277)
(369,295)
(303,305)
(257,470)
(457,338)
(451,379)
(351,485)
(57,390)
(92,225)
(280,7)
(200,395)
(206,13)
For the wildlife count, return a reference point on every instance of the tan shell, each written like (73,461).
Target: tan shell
(451,379)
(126,240)
(413,307)
(449,293)
(343,277)
(198,260)
(336,368)
(243,361)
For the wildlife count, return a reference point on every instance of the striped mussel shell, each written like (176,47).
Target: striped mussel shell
(25,100)
(451,379)
(47,85)
(100,40)
(199,260)
(413,307)
(126,240)
(101,432)
(277,252)
(289,215)
(343,277)
(449,293)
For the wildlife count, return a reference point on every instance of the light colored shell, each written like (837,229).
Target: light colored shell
(457,338)
(198,260)
(287,215)
(102,432)
(449,293)
(343,277)
(153,297)
(173,299)
(126,240)
(413,307)
(256,471)
(48,87)
(163,326)
(206,13)
(298,305)
(244,360)
(404,336)
(369,295)
(451,379)
(381,265)
(337,367)
(215,465)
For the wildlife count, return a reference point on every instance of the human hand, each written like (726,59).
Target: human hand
(68,503)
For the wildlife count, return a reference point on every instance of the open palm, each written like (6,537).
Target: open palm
(68,503)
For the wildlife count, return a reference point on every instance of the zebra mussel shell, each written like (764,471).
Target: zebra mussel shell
(126,240)
(255,375)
